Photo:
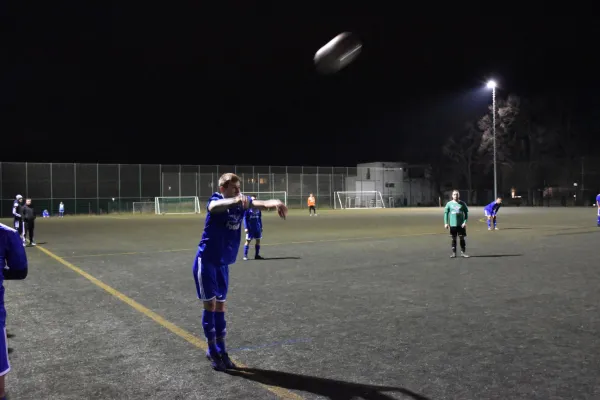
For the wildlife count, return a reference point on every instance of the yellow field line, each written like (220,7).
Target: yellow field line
(182,333)
(262,244)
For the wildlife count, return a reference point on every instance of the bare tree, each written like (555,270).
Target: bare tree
(463,149)
(507,111)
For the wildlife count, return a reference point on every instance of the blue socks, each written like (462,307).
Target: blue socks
(247,247)
(598,219)
(221,330)
(489,223)
(208,325)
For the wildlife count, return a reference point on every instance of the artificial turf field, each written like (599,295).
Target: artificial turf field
(350,304)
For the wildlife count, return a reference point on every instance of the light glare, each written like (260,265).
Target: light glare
(491,84)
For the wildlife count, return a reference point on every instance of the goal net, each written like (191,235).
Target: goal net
(269,195)
(177,205)
(362,199)
(144,207)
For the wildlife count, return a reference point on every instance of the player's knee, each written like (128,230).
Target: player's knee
(210,305)
(220,306)
(257,242)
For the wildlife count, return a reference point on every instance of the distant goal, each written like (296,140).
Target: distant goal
(177,205)
(358,200)
(281,195)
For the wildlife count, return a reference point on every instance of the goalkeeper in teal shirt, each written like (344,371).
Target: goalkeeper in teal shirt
(456,215)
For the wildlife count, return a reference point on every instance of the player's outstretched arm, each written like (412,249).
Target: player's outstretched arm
(267,204)
(15,256)
(218,206)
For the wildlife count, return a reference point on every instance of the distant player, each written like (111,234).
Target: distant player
(13,263)
(253,228)
(45,214)
(490,211)
(29,221)
(456,215)
(218,249)
(61,209)
(17,212)
(312,205)
(598,204)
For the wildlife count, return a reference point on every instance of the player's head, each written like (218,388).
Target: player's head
(499,200)
(28,202)
(19,198)
(229,185)
(455,195)
(310,195)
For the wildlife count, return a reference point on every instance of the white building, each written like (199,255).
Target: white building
(400,184)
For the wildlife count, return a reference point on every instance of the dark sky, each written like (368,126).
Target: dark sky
(172,83)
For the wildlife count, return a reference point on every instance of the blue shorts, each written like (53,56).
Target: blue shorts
(4,364)
(212,281)
(250,235)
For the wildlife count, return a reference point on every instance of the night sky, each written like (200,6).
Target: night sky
(172,83)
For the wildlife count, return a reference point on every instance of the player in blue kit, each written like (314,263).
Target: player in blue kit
(490,212)
(13,261)
(217,250)
(598,205)
(253,228)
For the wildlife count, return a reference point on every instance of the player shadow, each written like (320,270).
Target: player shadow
(515,228)
(280,258)
(329,388)
(37,243)
(497,255)
(575,233)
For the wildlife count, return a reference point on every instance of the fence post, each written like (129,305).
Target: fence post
(302,187)
(287,182)
(119,187)
(51,195)
(160,179)
(179,180)
(140,165)
(75,185)
(98,188)
(26,181)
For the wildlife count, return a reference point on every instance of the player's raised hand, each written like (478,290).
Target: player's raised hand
(282,210)
(243,201)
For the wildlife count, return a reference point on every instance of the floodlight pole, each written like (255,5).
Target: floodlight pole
(494,139)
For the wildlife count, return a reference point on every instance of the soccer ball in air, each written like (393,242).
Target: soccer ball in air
(337,53)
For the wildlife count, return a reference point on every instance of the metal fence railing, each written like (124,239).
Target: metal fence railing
(106,188)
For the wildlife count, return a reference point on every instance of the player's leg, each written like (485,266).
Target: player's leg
(257,249)
(489,219)
(247,245)
(462,234)
(32,233)
(494,218)
(205,277)
(220,320)
(599,216)
(4,364)
(453,234)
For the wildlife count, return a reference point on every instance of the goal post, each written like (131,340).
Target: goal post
(177,205)
(144,207)
(281,195)
(358,200)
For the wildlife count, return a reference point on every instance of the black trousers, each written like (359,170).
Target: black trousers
(312,209)
(29,229)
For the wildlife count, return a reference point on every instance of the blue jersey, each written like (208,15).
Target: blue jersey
(253,222)
(13,261)
(221,238)
(598,200)
(493,208)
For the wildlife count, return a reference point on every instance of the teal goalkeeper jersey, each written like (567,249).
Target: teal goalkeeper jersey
(456,213)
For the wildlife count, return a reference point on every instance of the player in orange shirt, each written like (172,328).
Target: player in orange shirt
(312,205)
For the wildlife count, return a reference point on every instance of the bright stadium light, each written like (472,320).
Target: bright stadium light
(492,85)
